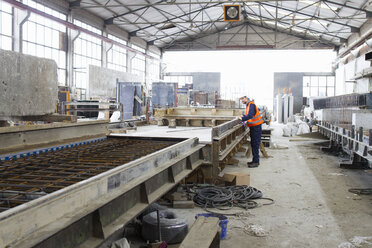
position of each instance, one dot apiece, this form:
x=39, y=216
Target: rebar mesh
x=28, y=178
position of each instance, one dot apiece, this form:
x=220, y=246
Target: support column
x=148, y=63
x=130, y=57
x=106, y=47
x=72, y=35
x=20, y=17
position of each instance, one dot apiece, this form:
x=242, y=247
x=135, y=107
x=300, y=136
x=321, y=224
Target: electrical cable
x=361, y=191
x=225, y=198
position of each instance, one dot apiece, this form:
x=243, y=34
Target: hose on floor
x=361, y=191
x=225, y=198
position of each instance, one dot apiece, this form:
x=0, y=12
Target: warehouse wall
x=292, y=80
x=206, y=81
x=351, y=63
x=71, y=34
x=102, y=81
x=28, y=85
x=346, y=73
x=203, y=81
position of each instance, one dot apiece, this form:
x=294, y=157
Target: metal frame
x=227, y=139
x=353, y=142
x=330, y=21
x=89, y=212
x=26, y=137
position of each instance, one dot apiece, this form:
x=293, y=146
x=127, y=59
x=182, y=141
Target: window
x=154, y=68
x=331, y=86
x=139, y=62
x=45, y=38
x=87, y=51
x=322, y=86
x=6, y=30
x=117, y=56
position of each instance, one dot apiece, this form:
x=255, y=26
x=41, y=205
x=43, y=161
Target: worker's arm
x=251, y=113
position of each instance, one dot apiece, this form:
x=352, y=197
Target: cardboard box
x=236, y=178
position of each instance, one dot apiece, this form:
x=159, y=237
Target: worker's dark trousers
x=255, y=133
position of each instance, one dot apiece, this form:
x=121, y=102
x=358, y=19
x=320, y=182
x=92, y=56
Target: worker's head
x=244, y=99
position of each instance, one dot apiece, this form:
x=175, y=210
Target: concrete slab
x=203, y=133
x=28, y=85
x=102, y=81
x=342, y=116
x=362, y=120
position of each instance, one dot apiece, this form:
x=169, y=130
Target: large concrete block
x=102, y=81
x=345, y=116
x=362, y=120
x=28, y=85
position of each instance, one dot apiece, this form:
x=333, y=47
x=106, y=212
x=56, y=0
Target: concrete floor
x=313, y=207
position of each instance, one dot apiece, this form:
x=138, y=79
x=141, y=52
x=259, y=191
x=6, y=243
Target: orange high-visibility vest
x=256, y=119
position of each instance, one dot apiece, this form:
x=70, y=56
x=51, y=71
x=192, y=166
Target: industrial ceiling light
x=167, y=26
x=369, y=42
x=354, y=52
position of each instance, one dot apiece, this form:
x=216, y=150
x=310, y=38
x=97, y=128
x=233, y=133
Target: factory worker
x=254, y=121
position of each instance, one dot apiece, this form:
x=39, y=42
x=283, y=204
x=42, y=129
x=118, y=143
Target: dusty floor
x=313, y=207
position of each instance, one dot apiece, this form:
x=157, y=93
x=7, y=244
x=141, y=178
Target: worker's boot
x=253, y=164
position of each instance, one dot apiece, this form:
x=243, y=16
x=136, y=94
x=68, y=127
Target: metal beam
x=258, y=25
x=346, y=6
x=304, y=28
x=129, y=188
x=74, y=4
x=308, y=15
x=111, y=20
x=171, y=19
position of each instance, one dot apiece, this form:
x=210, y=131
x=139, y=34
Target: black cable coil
x=225, y=198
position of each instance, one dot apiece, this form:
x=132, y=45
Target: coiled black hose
x=225, y=198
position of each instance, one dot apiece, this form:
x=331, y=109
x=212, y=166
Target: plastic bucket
x=223, y=222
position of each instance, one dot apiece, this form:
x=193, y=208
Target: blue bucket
x=223, y=222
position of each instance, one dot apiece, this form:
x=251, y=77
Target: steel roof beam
x=347, y=6
x=192, y=12
x=111, y=20
x=304, y=28
x=308, y=15
x=326, y=42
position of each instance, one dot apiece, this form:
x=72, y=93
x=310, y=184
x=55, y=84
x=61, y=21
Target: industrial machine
x=345, y=120
x=55, y=193
x=71, y=185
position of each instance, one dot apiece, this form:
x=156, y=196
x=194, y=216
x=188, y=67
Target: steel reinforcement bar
x=82, y=196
